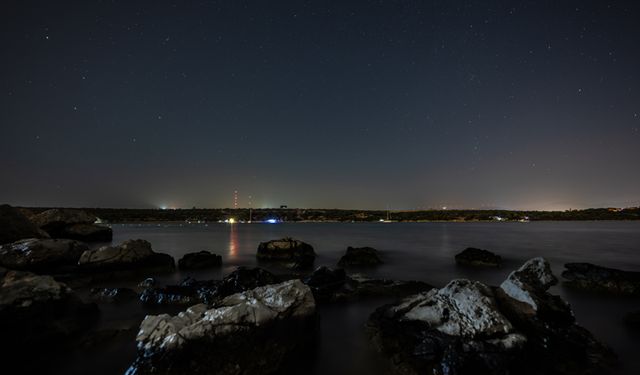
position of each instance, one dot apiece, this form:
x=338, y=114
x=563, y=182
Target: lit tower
x=235, y=199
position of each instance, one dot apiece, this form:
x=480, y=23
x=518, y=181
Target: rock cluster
x=470, y=328
x=16, y=226
x=478, y=257
x=601, y=279
x=41, y=255
x=201, y=259
x=291, y=252
x=72, y=224
x=252, y=332
x=360, y=256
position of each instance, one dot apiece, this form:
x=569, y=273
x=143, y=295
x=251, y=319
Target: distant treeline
x=116, y=215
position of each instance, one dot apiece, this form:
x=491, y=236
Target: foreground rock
x=253, y=332
x=191, y=291
x=470, y=328
x=38, y=315
x=15, y=226
x=478, y=257
x=132, y=255
x=590, y=277
x=201, y=259
x=359, y=257
x=293, y=253
x=72, y=224
x=335, y=286
x=47, y=255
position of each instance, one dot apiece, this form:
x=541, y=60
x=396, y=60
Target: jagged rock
x=15, y=226
x=113, y=294
x=72, y=224
x=201, y=259
x=478, y=257
x=246, y=333
x=470, y=328
x=360, y=256
x=38, y=315
x=601, y=279
x=41, y=255
x=131, y=254
x=191, y=291
x=295, y=253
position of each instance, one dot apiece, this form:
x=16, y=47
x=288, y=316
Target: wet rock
x=294, y=253
x=41, y=255
x=478, y=257
x=632, y=320
x=253, y=332
x=201, y=259
x=147, y=283
x=16, y=226
x=191, y=291
x=470, y=328
x=72, y=224
x=38, y=315
x=360, y=256
x=595, y=278
x=326, y=283
x=116, y=295
x=131, y=254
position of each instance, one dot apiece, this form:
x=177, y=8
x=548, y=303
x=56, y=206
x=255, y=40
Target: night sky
x=348, y=104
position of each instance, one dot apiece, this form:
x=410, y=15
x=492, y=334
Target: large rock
x=360, y=256
x=253, y=332
x=470, y=328
x=191, y=291
x=201, y=259
x=295, y=253
x=601, y=279
x=15, y=226
x=38, y=315
x=478, y=257
x=47, y=255
x=131, y=254
x=72, y=224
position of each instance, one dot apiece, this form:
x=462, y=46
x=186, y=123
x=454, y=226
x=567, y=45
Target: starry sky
x=348, y=104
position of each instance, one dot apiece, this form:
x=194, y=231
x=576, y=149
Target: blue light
x=272, y=221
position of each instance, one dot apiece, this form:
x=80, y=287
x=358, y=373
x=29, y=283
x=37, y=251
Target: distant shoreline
x=210, y=215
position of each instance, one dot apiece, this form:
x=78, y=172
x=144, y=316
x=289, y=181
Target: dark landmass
x=120, y=215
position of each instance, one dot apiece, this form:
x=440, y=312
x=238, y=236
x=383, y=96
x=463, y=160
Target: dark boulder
x=38, y=315
x=325, y=283
x=134, y=255
x=360, y=256
x=470, y=328
x=41, y=255
x=72, y=224
x=294, y=253
x=254, y=332
x=478, y=257
x=591, y=277
x=16, y=226
x=201, y=259
x=116, y=295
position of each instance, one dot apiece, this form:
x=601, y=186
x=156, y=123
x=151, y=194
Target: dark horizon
x=392, y=104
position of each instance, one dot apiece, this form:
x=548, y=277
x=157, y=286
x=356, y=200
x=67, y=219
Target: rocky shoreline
x=253, y=321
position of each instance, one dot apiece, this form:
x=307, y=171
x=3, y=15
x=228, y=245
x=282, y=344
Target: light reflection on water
x=420, y=251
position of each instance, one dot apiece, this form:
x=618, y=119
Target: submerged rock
x=41, y=255
x=116, y=295
x=38, y=315
x=253, y=332
x=191, y=291
x=478, y=257
x=72, y=224
x=295, y=253
x=131, y=254
x=16, y=226
x=201, y=259
x=360, y=256
x=591, y=277
x=470, y=328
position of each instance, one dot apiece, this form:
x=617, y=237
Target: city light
x=271, y=221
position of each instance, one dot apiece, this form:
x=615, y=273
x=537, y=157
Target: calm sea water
x=418, y=251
